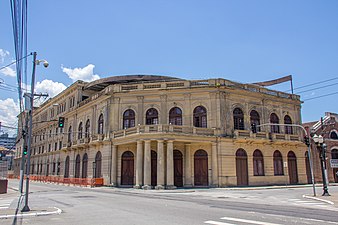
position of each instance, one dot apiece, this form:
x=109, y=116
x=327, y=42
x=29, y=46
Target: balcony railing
x=145, y=129
x=266, y=135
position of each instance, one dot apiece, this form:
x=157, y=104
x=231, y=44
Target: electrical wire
x=329, y=85
x=321, y=96
x=312, y=84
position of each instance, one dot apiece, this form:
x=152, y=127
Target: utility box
x=3, y=186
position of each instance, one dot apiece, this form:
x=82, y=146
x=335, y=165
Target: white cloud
x=50, y=87
x=3, y=55
x=4, y=58
x=86, y=73
x=8, y=71
x=9, y=109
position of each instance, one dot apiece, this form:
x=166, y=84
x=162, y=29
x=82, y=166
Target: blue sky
x=245, y=41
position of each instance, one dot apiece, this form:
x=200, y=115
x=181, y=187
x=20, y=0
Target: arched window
x=128, y=119
x=80, y=131
x=258, y=163
x=334, y=135
x=100, y=125
x=274, y=119
x=278, y=163
x=334, y=154
x=84, y=165
x=151, y=116
x=200, y=117
x=288, y=129
x=254, y=119
x=175, y=116
x=238, y=119
x=87, y=129
x=70, y=134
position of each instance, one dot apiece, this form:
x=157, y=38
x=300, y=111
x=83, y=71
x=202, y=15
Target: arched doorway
x=292, y=167
x=201, y=168
x=242, y=168
x=308, y=170
x=77, y=166
x=153, y=168
x=127, y=168
x=98, y=164
x=66, y=175
x=84, y=165
x=178, y=168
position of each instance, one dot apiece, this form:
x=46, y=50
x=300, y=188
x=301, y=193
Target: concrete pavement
x=17, y=200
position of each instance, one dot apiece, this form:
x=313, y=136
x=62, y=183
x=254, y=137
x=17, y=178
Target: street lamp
x=29, y=106
x=319, y=140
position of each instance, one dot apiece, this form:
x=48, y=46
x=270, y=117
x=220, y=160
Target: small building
x=148, y=131
x=327, y=127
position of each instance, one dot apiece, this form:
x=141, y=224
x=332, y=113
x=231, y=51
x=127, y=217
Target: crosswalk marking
x=248, y=221
x=217, y=223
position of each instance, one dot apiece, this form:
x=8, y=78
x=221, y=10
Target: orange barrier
x=93, y=182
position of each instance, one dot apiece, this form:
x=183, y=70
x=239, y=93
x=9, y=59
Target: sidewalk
x=17, y=203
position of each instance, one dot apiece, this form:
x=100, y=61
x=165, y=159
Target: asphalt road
x=84, y=206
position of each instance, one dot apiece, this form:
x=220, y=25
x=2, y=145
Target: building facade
x=327, y=127
x=146, y=131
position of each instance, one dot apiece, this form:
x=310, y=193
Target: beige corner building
x=160, y=132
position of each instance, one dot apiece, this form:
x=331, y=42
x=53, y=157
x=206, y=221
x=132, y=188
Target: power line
x=321, y=96
x=312, y=84
x=329, y=85
x=15, y=61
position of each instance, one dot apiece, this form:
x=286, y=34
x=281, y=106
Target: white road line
x=248, y=221
x=218, y=223
x=4, y=207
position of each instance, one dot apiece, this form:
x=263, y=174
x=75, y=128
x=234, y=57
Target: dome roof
x=100, y=84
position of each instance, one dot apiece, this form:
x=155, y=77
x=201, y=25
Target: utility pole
x=22, y=166
x=30, y=107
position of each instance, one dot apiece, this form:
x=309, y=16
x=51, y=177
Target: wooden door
x=127, y=170
x=292, y=164
x=201, y=168
x=153, y=168
x=242, y=168
x=178, y=168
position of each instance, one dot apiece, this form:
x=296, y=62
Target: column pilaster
x=170, y=165
x=139, y=165
x=187, y=166
x=114, y=166
x=160, y=165
x=147, y=165
x=214, y=165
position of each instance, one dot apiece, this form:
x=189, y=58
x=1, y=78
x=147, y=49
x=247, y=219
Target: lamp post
x=319, y=140
x=29, y=106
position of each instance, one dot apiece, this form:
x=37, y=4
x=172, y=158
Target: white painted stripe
x=217, y=223
x=4, y=207
x=58, y=211
x=248, y=221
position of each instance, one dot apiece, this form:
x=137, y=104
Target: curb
x=58, y=211
x=318, y=199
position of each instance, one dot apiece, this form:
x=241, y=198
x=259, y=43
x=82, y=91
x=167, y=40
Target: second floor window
x=151, y=116
x=254, y=119
x=128, y=119
x=100, y=125
x=70, y=134
x=87, y=129
x=175, y=116
x=200, y=117
x=80, y=131
x=288, y=129
x=274, y=119
x=238, y=119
